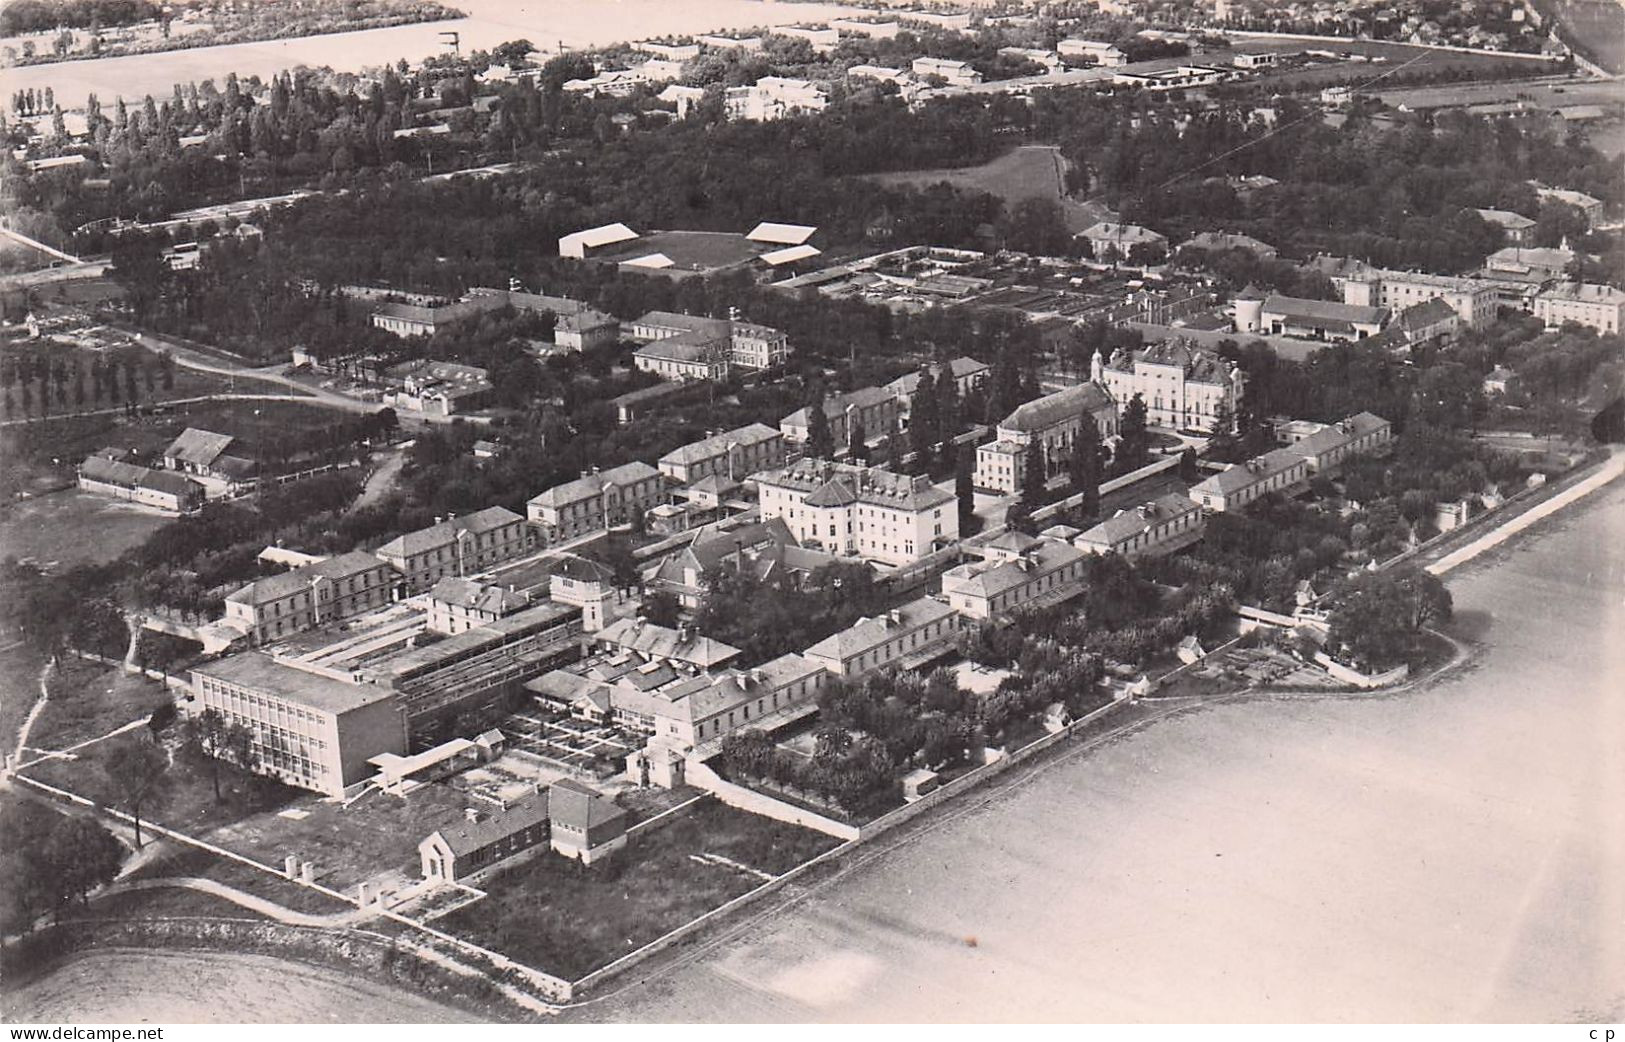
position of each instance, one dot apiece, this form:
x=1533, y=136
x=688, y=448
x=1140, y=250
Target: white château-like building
x=860, y=511
x=1183, y=386
x=1052, y=421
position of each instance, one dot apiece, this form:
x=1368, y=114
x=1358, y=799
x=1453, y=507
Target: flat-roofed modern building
x=907, y=637
x=1018, y=570
x=312, y=729
x=458, y=546
x=596, y=501
x=310, y=595
x=1160, y=526
x=1279, y=470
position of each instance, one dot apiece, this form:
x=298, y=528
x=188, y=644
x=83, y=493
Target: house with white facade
x=858, y=511
x=1184, y=386
x=1053, y=422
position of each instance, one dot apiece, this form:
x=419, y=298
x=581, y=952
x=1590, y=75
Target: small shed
x=919, y=783
x=1190, y=650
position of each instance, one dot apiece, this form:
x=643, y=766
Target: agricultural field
x=1026, y=172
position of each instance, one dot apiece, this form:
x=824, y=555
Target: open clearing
x=71, y=527
x=1030, y=171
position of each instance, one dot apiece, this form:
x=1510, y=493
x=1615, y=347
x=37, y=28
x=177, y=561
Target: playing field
x=1024, y=173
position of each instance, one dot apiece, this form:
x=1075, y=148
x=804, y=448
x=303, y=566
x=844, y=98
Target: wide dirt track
x=1455, y=853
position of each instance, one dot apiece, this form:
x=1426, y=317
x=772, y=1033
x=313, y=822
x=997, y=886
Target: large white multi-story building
x=1184, y=387
x=1053, y=422
x=1600, y=307
x=774, y=97
x=860, y=511
x=1474, y=300
x=309, y=596
x=680, y=346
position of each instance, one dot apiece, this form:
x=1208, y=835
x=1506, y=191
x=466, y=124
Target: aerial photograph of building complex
x=727, y=512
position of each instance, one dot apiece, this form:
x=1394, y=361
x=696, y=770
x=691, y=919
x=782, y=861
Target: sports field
x=1024, y=173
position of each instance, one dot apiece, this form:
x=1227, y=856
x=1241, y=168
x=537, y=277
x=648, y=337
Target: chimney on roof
x=471, y=815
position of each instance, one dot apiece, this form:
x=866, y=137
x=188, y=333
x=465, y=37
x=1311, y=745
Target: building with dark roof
x=154, y=488
x=1159, y=526
x=682, y=644
x=485, y=843
x=458, y=546
x=906, y=637
x=310, y=595
x=766, y=549
x=585, y=824
x=856, y=511
x=1053, y=423
x=1040, y=571
x=204, y=454
x=596, y=501
x=1356, y=435
x=1518, y=229
x=312, y=728
x=678, y=346
x=1184, y=386
x=1279, y=470
x=736, y=454
x=878, y=410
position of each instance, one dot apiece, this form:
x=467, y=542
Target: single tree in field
x=138, y=771
x=84, y=854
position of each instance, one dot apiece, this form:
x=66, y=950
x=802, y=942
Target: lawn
x=89, y=699
x=19, y=688
x=568, y=920
x=180, y=861
x=1023, y=173
x=71, y=527
x=377, y=833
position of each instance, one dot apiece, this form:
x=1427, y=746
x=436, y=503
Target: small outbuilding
x=919, y=783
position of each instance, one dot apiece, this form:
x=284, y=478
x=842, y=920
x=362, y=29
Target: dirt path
x=382, y=478
x=243, y=899
x=33, y=714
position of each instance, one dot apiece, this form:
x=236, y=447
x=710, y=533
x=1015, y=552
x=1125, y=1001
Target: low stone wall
x=701, y=776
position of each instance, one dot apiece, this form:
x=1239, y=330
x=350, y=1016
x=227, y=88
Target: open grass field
x=18, y=256
x=568, y=920
x=71, y=527
x=89, y=700
x=375, y=834
x=1023, y=173
x=19, y=687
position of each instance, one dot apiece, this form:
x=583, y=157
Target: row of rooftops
x=446, y=532
x=1278, y=461
x=751, y=434
x=285, y=584
x=128, y=475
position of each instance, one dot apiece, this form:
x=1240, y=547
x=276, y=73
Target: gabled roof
x=1428, y=313
x=719, y=444
x=477, y=596
x=574, y=806
x=788, y=234
x=989, y=579
x=1334, y=435
x=603, y=235
x=662, y=642
x=198, y=447
x=580, y=569
x=112, y=472
x=479, y=522
x=1276, y=461
x=1126, y=524
x=1331, y=312
x=833, y=494
x=961, y=367
x=866, y=633
x=466, y=837
x=1055, y=408
x=790, y=254
x=591, y=485
x=1127, y=234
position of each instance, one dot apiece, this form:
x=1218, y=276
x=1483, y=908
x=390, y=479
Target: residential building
x=682, y=358
x=1050, y=60
x=955, y=73
x=1098, y=51
x=772, y=98
x=457, y=605
x=1018, y=570
x=685, y=99
x=596, y=501
x=1316, y=319
x=1111, y=241
x=766, y=548
x=1159, y=526
x=680, y=645
x=204, y=454
x=905, y=638
x=725, y=41
x=1473, y=300
x=1053, y=422
x=1542, y=262
x=1326, y=449
x=958, y=21
x=1184, y=386
x=822, y=37
x=438, y=388
x=457, y=546
x=166, y=491
x=576, y=326
x=735, y=454
x=968, y=375
x=485, y=843
x=857, y=511
x=1590, y=207
x=874, y=29
x=1279, y=470
x=310, y=595
x=1218, y=242
x=1501, y=380
x=876, y=409
x=1518, y=229
x=879, y=73
x=310, y=729
x=586, y=825
x=1592, y=305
